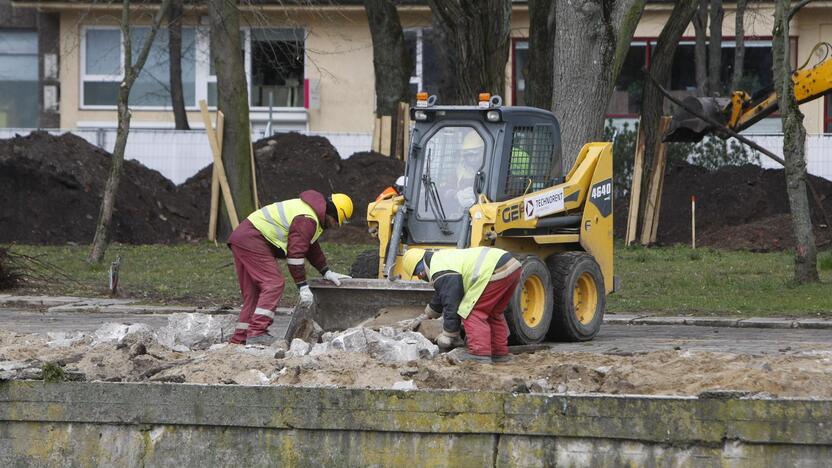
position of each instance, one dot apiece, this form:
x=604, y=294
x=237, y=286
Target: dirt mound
x=737, y=207
x=50, y=192
x=290, y=163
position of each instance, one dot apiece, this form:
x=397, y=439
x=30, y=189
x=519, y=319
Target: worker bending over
x=473, y=286
x=290, y=230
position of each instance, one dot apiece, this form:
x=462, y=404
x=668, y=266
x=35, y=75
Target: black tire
x=365, y=265
x=566, y=270
x=533, y=329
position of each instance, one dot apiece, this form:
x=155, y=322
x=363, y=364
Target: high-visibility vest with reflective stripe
x=273, y=220
x=475, y=265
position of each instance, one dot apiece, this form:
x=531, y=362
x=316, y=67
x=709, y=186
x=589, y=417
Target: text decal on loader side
x=601, y=197
x=541, y=205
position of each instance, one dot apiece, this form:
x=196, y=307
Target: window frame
x=202, y=67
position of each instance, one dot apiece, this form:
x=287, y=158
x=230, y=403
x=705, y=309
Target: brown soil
x=737, y=207
x=50, y=192
x=290, y=163
x=802, y=374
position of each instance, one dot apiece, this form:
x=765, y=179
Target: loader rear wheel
x=530, y=309
x=578, y=286
x=365, y=265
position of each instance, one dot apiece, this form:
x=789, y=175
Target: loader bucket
x=357, y=301
x=686, y=127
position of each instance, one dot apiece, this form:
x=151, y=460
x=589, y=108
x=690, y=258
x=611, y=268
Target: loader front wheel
x=365, y=265
x=578, y=286
x=530, y=309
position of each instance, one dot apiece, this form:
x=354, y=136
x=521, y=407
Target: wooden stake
x=216, y=150
x=693, y=221
x=650, y=221
x=215, y=184
x=635, y=188
x=377, y=135
x=254, y=176
x=386, y=124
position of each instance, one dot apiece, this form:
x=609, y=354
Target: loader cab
x=460, y=153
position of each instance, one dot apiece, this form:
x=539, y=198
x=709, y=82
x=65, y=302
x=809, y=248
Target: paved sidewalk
x=58, y=304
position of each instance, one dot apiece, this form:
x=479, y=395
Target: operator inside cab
x=473, y=148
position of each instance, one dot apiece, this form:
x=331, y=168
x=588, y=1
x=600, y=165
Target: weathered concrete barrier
x=118, y=424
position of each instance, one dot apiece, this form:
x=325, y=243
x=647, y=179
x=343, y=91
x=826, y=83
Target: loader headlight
x=493, y=116
x=420, y=115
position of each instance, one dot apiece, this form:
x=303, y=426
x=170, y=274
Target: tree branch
x=148, y=42
x=797, y=6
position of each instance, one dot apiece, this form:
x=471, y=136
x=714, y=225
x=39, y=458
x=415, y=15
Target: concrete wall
x=96, y=424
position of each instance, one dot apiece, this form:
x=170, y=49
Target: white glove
x=430, y=313
x=335, y=278
x=305, y=296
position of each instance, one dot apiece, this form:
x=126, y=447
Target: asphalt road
x=613, y=338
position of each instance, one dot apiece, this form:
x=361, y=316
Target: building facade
x=310, y=67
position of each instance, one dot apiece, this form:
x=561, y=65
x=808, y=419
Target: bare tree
x=391, y=62
x=540, y=69
x=715, y=48
x=477, y=32
x=739, y=45
x=700, y=26
x=131, y=72
x=794, y=151
x=177, y=97
x=591, y=42
x=232, y=101
x=652, y=104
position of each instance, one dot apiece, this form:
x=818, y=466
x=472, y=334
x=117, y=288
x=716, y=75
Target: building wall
x=339, y=57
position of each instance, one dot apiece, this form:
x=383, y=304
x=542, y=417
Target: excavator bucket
x=688, y=128
x=359, y=301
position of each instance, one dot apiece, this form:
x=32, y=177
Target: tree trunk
x=539, y=79
x=177, y=97
x=652, y=103
x=391, y=62
x=715, y=49
x=700, y=26
x=232, y=99
x=478, y=33
x=131, y=72
x=739, y=45
x=591, y=42
x=794, y=139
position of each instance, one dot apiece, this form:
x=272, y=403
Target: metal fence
x=818, y=153
x=179, y=154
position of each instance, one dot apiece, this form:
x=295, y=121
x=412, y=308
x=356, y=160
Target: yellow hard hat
x=411, y=259
x=472, y=141
x=343, y=205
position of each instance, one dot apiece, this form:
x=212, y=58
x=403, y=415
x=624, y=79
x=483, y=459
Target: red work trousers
x=486, y=329
x=261, y=284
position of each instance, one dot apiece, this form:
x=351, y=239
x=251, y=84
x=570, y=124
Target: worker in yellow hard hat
x=472, y=286
x=471, y=157
x=290, y=230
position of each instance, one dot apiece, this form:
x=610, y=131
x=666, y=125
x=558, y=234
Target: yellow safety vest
x=273, y=220
x=475, y=265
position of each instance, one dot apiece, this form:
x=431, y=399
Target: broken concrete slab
x=319, y=349
x=405, y=385
x=64, y=339
x=648, y=320
x=196, y=331
x=353, y=340
x=403, y=347
x=298, y=348
x=767, y=322
x=38, y=301
x=251, y=377
x=430, y=328
x=814, y=323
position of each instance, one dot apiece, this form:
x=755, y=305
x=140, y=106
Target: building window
x=521, y=60
x=103, y=68
x=276, y=67
x=426, y=72
x=18, y=78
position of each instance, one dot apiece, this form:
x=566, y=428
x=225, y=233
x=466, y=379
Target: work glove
x=449, y=340
x=305, y=296
x=335, y=278
x=430, y=313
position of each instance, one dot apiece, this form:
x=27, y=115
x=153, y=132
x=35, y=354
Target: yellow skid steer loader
x=490, y=175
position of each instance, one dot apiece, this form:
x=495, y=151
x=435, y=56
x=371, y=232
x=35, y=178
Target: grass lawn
x=670, y=280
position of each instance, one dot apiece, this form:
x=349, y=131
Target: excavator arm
x=742, y=110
